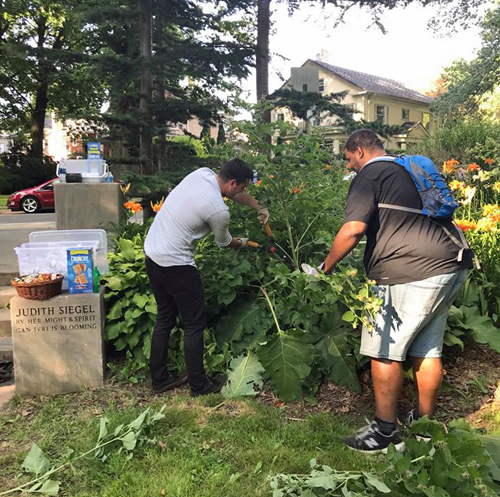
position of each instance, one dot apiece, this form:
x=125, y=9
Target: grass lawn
x=202, y=450
x=3, y=202
x=205, y=449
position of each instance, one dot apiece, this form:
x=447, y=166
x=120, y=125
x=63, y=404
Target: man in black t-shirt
x=418, y=270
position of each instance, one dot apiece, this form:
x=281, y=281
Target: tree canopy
x=466, y=85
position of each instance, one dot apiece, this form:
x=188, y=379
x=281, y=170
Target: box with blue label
x=80, y=270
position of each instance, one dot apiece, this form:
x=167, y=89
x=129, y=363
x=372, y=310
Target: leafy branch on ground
x=124, y=438
x=457, y=461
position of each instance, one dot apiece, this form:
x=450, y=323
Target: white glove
x=263, y=215
x=309, y=269
x=243, y=241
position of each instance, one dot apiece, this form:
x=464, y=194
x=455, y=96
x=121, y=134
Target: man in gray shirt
x=193, y=209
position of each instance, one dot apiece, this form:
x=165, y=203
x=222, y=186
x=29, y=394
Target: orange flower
x=132, y=206
x=489, y=161
x=296, y=190
x=449, y=166
x=271, y=175
x=158, y=205
x=328, y=167
x=466, y=225
x=473, y=167
x=258, y=183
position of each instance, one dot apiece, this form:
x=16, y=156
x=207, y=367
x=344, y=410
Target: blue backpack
x=437, y=199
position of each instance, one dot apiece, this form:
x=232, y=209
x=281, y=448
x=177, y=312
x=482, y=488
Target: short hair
x=236, y=169
x=364, y=138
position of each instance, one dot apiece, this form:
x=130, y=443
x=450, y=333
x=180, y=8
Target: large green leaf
x=242, y=318
x=245, y=373
x=492, y=446
x=127, y=249
x=482, y=327
x=47, y=487
x=35, y=461
x=342, y=366
x=286, y=360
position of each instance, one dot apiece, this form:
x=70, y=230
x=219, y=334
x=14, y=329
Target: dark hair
x=236, y=169
x=364, y=138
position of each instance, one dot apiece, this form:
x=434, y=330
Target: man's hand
x=243, y=242
x=263, y=215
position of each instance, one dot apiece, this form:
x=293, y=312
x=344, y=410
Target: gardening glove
x=310, y=270
x=243, y=241
x=263, y=215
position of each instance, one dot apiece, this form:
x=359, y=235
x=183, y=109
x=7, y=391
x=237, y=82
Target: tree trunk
x=262, y=57
x=35, y=162
x=146, y=138
x=38, y=124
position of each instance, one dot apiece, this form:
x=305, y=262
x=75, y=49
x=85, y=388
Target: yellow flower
x=491, y=209
x=457, y=185
x=496, y=186
x=487, y=224
x=125, y=189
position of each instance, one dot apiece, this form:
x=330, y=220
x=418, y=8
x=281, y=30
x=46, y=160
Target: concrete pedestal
x=58, y=343
x=88, y=205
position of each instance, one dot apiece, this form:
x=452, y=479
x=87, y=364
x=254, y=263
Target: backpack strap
x=400, y=208
x=461, y=243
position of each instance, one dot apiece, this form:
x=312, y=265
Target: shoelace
x=366, y=430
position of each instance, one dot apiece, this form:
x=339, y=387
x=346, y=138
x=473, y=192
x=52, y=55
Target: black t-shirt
x=401, y=246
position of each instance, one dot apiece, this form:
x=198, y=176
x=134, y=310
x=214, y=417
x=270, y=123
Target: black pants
x=178, y=289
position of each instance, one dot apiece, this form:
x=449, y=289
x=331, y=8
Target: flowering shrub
x=477, y=188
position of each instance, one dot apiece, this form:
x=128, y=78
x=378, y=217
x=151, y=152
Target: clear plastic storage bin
x=92, y=170
x=83, y=237
x=50, y=257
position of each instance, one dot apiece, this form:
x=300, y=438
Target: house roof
x=375, y=84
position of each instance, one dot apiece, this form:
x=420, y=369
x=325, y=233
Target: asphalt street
x=15, y=229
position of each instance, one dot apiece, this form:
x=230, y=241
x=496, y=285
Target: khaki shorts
x=412, y=318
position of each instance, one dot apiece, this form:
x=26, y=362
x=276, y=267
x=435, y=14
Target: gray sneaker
x=406, y=420
x=371, y=440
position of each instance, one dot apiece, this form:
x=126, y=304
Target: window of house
x=280, y=117
x=381, y=113
x=321, y=86
x=304, y=87
x=406, y=115
x=426, y=119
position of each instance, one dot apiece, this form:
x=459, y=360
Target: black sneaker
x=212, y=387
x=372, y=441
x=174, y=380
x=407, y=419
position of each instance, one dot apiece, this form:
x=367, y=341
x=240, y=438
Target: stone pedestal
x=58, y=343
x=88, y=206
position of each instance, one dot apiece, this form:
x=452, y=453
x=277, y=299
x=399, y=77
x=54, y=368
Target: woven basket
x=39, y=291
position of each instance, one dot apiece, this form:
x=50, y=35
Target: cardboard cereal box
x=80, y=270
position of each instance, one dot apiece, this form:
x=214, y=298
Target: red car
x=33, y=199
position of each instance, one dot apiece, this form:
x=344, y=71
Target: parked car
x=33, y=199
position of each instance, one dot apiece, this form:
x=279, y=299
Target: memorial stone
x=58, y=343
